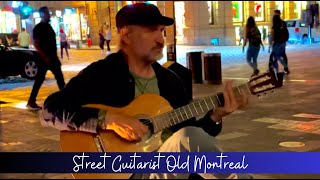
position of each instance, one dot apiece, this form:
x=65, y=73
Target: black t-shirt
x=47, y=38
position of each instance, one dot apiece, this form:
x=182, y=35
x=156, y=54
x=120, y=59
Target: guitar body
x=144, y=106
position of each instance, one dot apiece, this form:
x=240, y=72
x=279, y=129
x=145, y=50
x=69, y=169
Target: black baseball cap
x=141, y=14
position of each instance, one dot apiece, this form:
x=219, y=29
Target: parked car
x=298, y=32
x=16, y=61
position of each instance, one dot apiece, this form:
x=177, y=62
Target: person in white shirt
x=108, y=39
x=24, y=38
x=63, y=43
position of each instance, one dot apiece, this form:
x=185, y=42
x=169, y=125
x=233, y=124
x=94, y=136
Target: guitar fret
x=163, y=123
x=174, y=120
x=180, y=113
x=168, y=124
x=200, y=106
x=155, y=126
x=206, y=105
x=218, y=99
x=177, y=116
x=195, y=108
x=185, y=112
x=190, y=111
x=214, y=106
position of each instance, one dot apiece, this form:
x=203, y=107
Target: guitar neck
x=193, y=109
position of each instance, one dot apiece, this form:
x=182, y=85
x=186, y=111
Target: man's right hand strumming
x=127, y=127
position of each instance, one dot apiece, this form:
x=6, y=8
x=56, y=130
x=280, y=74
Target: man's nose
x=160, y=38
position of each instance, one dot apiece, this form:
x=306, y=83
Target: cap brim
x=167, y=21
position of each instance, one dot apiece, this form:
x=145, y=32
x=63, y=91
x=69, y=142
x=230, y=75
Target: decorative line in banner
x=156, y=162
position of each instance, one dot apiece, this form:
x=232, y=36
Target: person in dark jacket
x=121, y=77
x=44, y=39
x=284, y=55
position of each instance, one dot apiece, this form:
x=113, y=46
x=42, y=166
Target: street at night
x=290, y=114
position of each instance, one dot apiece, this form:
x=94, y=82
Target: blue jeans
x=252, y=56
x=190, y=139
x=278, y=51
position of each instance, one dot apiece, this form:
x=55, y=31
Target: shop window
x=259, y=10
x=298, y=7
x=237, y=11
x=8, y=22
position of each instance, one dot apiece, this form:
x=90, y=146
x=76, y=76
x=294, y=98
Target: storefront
x=238, y=20
x=75, y=24
x=8, y=22
x=298, y=7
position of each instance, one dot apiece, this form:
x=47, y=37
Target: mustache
x=159, y=46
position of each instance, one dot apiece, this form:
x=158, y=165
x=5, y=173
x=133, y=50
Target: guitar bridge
x=99, y=144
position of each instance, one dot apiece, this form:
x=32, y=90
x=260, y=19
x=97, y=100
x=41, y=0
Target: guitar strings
x=169, y=116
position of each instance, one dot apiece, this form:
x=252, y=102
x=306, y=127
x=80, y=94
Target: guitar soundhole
x=148, y=123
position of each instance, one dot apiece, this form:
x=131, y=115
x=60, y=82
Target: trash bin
x=194, y=63
x=212, y=68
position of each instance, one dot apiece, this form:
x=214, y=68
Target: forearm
x=41, y=52
x=64, y=114
x=49, y=119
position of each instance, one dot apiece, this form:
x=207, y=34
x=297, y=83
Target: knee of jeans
x=196, y=139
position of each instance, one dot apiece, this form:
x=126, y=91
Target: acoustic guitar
x=155, y=112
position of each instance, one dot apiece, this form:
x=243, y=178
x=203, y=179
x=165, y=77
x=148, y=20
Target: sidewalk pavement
x=289, y=116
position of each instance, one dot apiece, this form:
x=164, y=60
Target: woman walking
x=253, y=35
x=63, y=43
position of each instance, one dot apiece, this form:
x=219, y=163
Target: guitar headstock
x=264, y=83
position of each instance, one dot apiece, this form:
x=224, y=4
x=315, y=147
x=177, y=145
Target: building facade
x=197, y=22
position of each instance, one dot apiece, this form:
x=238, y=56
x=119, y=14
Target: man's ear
x=124, y=35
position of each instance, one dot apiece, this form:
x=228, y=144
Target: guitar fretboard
x=193, y=109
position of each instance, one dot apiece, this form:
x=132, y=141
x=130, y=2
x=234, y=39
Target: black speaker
x=184, y=73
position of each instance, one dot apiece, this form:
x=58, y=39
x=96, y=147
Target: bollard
x=211, y=66
x=194, y=63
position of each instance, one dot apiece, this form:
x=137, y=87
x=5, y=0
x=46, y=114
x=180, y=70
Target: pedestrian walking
x=253, y=35
x=285, y=37
x=44, y=39
x=108, y=39
x=279, y=36
x=63, y=43
x=101, y=40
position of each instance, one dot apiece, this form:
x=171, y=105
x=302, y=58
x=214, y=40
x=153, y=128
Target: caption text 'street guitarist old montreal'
x=199, y=163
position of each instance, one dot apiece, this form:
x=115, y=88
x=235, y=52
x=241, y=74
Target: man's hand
x=127, y=127
x=231, y=103
x=47, y=60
